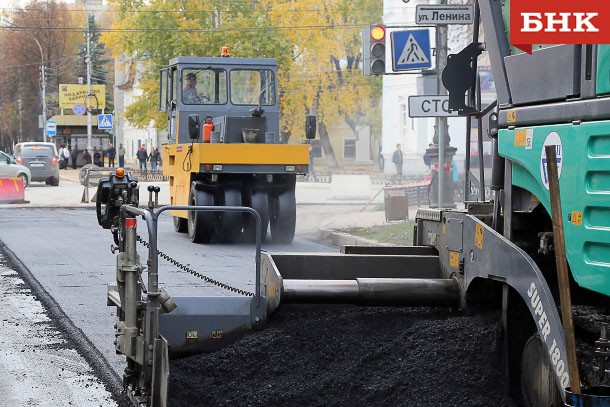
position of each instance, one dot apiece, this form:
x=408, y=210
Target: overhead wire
x=206, y=10
x=191, y=30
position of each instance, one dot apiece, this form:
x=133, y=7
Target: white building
x=127, y=90
x=414, y=134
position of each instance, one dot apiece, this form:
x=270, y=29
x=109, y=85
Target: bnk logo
x=559, y=22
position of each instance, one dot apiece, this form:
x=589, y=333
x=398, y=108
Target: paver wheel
x=538, y=385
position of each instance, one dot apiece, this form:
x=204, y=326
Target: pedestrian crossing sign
x=411, y=50
x=104, y=121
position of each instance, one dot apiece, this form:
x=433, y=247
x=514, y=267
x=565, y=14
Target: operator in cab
x=190, y=94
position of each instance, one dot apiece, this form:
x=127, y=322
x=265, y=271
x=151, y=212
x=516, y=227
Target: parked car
x=42, y=160
x=9, y=168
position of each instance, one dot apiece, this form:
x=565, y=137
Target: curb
x=339, y=239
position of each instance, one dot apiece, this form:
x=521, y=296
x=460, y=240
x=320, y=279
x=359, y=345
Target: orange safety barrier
x=12, y=190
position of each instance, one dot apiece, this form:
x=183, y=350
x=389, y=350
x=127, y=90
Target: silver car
x=42, y=160
x=10, y=169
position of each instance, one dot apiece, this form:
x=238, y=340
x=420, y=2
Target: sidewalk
x=349, y=201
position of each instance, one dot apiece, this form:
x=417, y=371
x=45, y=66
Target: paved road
x=57, y=239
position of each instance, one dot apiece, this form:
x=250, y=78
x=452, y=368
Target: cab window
x=204, y=86
x=252, y=86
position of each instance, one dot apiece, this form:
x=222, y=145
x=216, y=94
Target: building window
x=349, y=149
x=404, y=116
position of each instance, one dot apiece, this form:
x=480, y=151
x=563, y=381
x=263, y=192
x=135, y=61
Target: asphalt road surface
x=40, y=365
x=67, y=255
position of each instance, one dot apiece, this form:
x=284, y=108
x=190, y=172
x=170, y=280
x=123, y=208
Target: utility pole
x=88, y=61
x=441, y=135
x=441, y=122
x=43, y=96
x=20, y=107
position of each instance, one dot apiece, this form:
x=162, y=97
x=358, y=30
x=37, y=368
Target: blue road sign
x=104, y=121
x=411, y=50
x=79, y=109
x=51, y=128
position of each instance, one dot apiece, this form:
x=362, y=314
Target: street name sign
x=444, y=14
x=430, y=106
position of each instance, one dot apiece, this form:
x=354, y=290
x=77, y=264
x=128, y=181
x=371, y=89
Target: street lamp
x=5, y=22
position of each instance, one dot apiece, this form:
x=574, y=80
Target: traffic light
x=373, y=50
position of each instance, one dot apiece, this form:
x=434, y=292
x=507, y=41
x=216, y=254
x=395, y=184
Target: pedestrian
x=121, y=155
x=311, y=170
x=60, y=156
x=155, y=160
x=397, y=159
x=111, y=155
x=86, y=157
x=74, y=155
x=142, y=156
x=427, y=159
x=66, y=153
x=97, y=159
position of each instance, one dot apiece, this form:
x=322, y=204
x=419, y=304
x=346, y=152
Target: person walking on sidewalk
x=74, y=155
x=86, y=157
x=397, y=159
x=142, y=156
x=121, y=155
x=111, y=155
x=66, y=153
x=60, y=157
x=155, y=160
x=97, y=159
x=311, y=169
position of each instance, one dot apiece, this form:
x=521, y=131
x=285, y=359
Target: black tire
x=283, y=217
x=260, y=203
x=200, y=224
x=55, y=182
x=25, y=180
x=538, y=386
x=231, y=223
x=180, y=225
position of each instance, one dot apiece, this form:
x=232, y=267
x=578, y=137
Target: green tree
x=166, y=29
x=327, y=55
x=35, y=24
x=317, y=45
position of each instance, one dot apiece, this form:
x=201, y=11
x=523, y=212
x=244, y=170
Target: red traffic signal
x=377, y=32
x=377, y=50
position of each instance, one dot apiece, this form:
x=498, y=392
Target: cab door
x=167, y=100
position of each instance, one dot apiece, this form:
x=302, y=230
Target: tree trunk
x=329, y=153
